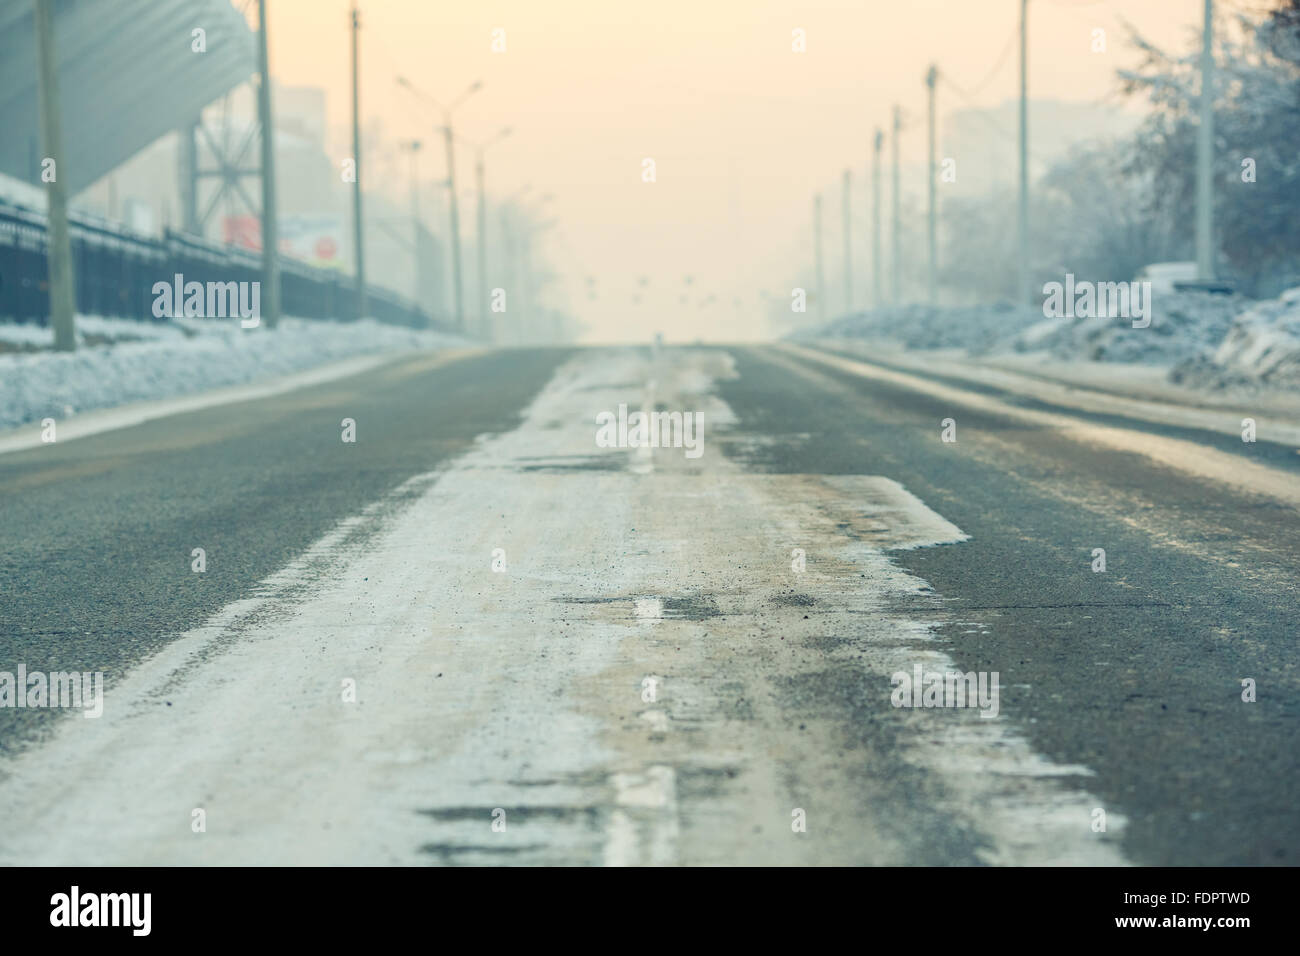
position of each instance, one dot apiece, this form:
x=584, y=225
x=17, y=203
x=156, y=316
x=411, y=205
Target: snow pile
x=1261, y=348
x=176, y=358
x=1205, y=340
x=976, y=328
x=91, y=330
x=1183, y=325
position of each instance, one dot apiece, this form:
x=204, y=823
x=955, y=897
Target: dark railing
x=116, y=270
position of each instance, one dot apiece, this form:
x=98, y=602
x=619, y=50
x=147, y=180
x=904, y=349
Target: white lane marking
x=657, y=719
x=649, y=610
x=1190, y=457
x=643, y=829
x=874, y=509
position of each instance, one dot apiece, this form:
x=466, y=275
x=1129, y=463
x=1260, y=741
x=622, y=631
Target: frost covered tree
x=1257, y=119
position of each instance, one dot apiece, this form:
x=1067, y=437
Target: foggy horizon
x=743, y=130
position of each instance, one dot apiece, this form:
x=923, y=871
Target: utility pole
x=59, y=244
x=416, y=260
x=270, y=298
x=455, y=224
x=453, y=206
x=1205, y=154
x=530, y=228
x=358, y=231
x=485, y=316
x=932, y=226
x=896, y=260
x=877, y=276
x=848, y=246
x=526, y=286
x=485, y=323
x=1024, y=290
x=508, y=254
x=817, y=257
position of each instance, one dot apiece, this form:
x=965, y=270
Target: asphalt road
x=96, y=534
x=645, y=678
x=1136, y=672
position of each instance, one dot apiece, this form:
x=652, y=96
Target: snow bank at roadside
x=176, y=358
x=1203, y=340
x=1261, y=348
x=1183, y=324
x=921, y=327
x=91, y=330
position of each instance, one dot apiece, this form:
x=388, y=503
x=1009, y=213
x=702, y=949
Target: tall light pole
x=528, y=232
x=508, y=258
x=453, y=208
x=458, y=279
x=817, y=257
x=59, y=254
x=484, y=316
x=508, y=249
x=270, y=293
x=848, y=246
x=413, y=147
x=358, y=233
x=452, y=201
x=1024, y=290
x=932, y=226
x=896, y=252
x=877, y=276
x=1205, y=154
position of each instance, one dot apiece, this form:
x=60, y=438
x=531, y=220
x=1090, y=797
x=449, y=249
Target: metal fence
x=116, y=271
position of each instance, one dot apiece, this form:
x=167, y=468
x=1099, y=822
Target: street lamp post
x=529, y=231
x=508, y=249
x=453, y=206
x=414, y=146
x=484, y=317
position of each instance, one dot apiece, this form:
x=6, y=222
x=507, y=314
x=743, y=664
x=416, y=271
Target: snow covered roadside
x=1198, y=344
x=1183, y=325
x=1139, y=392
x=916, y=326
x=1260, y=349
x=91, y=330
x=174, y=359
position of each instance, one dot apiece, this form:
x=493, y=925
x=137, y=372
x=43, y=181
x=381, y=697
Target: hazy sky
x=743, y=131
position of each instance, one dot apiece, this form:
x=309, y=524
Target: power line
x=980, y=111
x=1001, y=61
